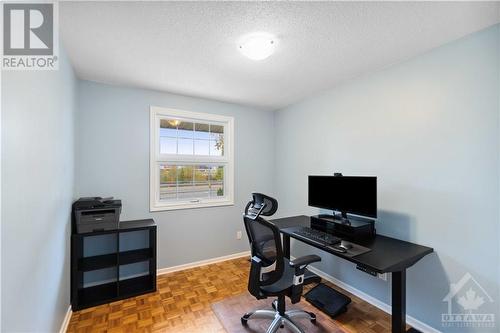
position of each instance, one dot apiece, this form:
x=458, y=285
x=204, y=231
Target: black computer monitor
x=345, y=194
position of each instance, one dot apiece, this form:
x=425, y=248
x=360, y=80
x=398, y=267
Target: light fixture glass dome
x=258, y=45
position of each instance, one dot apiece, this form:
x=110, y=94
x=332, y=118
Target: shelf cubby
x=86, y=264
x=133, y=256
x=103, y=263
x=98, y=294
x=136, y=285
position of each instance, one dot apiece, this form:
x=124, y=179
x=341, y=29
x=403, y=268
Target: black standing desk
x=387, y=255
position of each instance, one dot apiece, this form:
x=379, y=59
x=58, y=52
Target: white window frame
x=158, y=113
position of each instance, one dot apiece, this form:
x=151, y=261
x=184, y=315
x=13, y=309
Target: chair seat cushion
x=286, y=281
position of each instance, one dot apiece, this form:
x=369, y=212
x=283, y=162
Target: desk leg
x=286, y=246
x=399, y=301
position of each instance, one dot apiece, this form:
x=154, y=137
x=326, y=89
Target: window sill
x=160, y=207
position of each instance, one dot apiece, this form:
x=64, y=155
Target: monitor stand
x=339, y=225
x=337, y=217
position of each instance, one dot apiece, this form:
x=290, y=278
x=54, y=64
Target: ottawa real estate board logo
x=30, y=36
x=469, y=305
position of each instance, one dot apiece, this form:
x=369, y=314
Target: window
x=191, y=160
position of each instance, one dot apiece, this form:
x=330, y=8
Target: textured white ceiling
x=190, y=47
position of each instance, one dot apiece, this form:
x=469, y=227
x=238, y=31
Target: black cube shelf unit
x=103, y=264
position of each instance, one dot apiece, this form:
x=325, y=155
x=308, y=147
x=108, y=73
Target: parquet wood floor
x=182, y=301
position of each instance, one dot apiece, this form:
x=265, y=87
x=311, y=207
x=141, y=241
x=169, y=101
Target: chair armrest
x=254, y=277
x=304, y=261
x=299, y=265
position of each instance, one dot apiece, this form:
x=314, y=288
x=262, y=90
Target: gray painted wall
x=113, y=160
x=429, y=129
x=38, y=111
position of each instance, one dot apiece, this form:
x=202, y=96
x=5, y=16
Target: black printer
x=96, y=214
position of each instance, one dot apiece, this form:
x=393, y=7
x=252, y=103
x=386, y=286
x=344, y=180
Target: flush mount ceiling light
x=257, y=46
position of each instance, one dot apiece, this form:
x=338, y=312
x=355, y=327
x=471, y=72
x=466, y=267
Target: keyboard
x=317, y=236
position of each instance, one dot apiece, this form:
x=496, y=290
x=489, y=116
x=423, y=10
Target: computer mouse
x=345, y=245
x=337, y=248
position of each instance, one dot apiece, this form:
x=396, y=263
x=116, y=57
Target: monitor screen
x=346, y=194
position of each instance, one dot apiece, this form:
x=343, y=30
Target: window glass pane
x=168, y=182
x=201, y=181
x=185, y=130
x=185, y=191
x=188, y=138
x=216, y=140
x=168, y=145
x=184, y=173
x=216, y=129
x=201, y=147
x=190, y=182
x=217, y=145
x=185, y=146
x=168, y=127
x=202, y=131
x=168, y=132
x=202, y=173
x=184, y=181
x=217, y=181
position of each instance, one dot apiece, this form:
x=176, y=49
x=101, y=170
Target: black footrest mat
x=328, y=300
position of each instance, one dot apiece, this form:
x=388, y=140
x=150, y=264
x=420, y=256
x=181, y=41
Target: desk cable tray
x=328, y=300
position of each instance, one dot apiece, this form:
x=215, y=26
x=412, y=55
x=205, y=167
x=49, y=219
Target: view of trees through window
x=191, y=181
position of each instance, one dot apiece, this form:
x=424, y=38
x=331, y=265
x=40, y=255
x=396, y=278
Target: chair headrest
x=261, y=205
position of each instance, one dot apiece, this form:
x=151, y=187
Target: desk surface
x=387, y=254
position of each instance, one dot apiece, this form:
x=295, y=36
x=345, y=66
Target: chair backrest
x=265, y=241
x=261, y=204
x=267, y=253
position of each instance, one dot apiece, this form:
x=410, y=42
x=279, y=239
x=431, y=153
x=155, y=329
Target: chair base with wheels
x=280, y=318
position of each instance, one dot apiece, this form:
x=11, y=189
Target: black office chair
x=271, y=274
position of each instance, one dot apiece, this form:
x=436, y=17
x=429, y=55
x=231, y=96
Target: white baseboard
x=202, y=263
x=415, y=323
x=65, y=323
